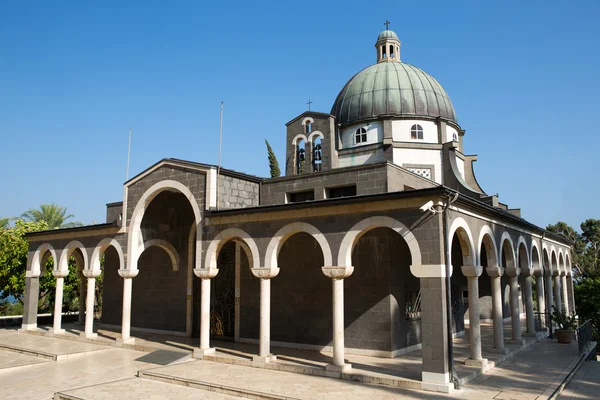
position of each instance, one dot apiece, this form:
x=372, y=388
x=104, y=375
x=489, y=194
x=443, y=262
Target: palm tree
x=54, y=215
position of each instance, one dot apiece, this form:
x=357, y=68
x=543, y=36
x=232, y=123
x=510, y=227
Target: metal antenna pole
x=220, y=147
x=128, y=155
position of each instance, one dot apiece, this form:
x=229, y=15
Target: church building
x=379, y=240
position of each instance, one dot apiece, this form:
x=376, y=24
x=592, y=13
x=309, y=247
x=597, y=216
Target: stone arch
x=568, y=264
x=465, y=238
x=546, y=258
x=553, y=259
x=167, y=247
x=507, y=245
x=535, y=258
x=307, y=119
x=38, y=256
x=249, y=246
x=367, y=224
x=311, y=138
x=488, y=240
x=523, y=257
x=561, y=261
x=63, y=263
x=284, y=233
x=298, y=137
x=135, y=246
x=100, y=248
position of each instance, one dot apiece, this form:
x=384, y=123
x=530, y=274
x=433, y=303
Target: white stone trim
x=504, y=224
x=315, y=133
x=486, y=230
x=367, y=224
x=429, y=270
x=35, y=269
x=167, y=247
x=134, y=238
x=297, y=137
x=211, y=188
x=100, y=248
x=290, y=229
x=434, y=377
x=459, y=222
x=312, y=121
x=63, y=263
x=223, y=237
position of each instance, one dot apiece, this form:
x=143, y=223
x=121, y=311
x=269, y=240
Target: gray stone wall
x=398, y=179
x=237, y=193
x=159, y=293
x=114, y=211
x=112, y=289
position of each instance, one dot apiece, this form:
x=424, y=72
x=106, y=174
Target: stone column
x=58, y=302
x=571, y=294
x=495, y=274
x=127, y=275
x=549, y=292
x=434, y=324
x=32, y=288
x=557, y=291
x=565, y=293
x=539, y=286
x=82, y=296
x=473, y=273
x=515, y=316
x=91, y=276
x=337, y=275
x=528, y=293
x=205, y=274
x=265, y=275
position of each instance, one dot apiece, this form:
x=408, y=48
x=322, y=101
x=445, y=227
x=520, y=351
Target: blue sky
x=75, y=76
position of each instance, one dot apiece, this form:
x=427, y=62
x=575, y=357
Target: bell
x=301, y=156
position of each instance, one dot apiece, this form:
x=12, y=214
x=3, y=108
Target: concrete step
x=211, y=387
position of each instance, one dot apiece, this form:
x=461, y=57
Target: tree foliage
x=4, y=223
x=273, y=163
x=54, y=215
x=587, y=299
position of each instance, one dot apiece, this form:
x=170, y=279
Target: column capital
x=555, y=273
x=206, y=273
x=563, y=273
x=429, y=270
x=265, y=272
x=337, y=272
x=538, y=272
x=494, y=272
x=513, y=272
x=472, y=271
x=91, y=273
x=128, y=273
x=60, y=273
x=32, y=274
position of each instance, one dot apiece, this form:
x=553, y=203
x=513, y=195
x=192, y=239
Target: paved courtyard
x=101, y=372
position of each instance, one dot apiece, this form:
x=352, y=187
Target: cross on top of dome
x=388, y=45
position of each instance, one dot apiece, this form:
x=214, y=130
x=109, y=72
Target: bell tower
x=388, y=45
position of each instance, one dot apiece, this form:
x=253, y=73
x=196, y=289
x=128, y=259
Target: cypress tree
x=273, y=163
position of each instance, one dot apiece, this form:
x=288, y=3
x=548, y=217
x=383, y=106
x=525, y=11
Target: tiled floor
x=585, y=384
x=9, y=359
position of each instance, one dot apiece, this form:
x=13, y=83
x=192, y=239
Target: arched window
x=416, y=132
x=360, y=136
x=317, y=154
x=308, y=127
x=300, y=157
x=455, y=137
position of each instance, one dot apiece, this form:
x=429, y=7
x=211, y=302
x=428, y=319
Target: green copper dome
x=391, y=89
x=387, y=34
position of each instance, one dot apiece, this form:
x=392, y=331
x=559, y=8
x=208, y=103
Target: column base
x=263, y=359
x=515, y=341
x=88, y=335
x=200, y=353
x=341, y=369
x=54, y=332
x=497, y=351
x=527, y=334
x=27, y=327
x=121, y=342
x=476, y=363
